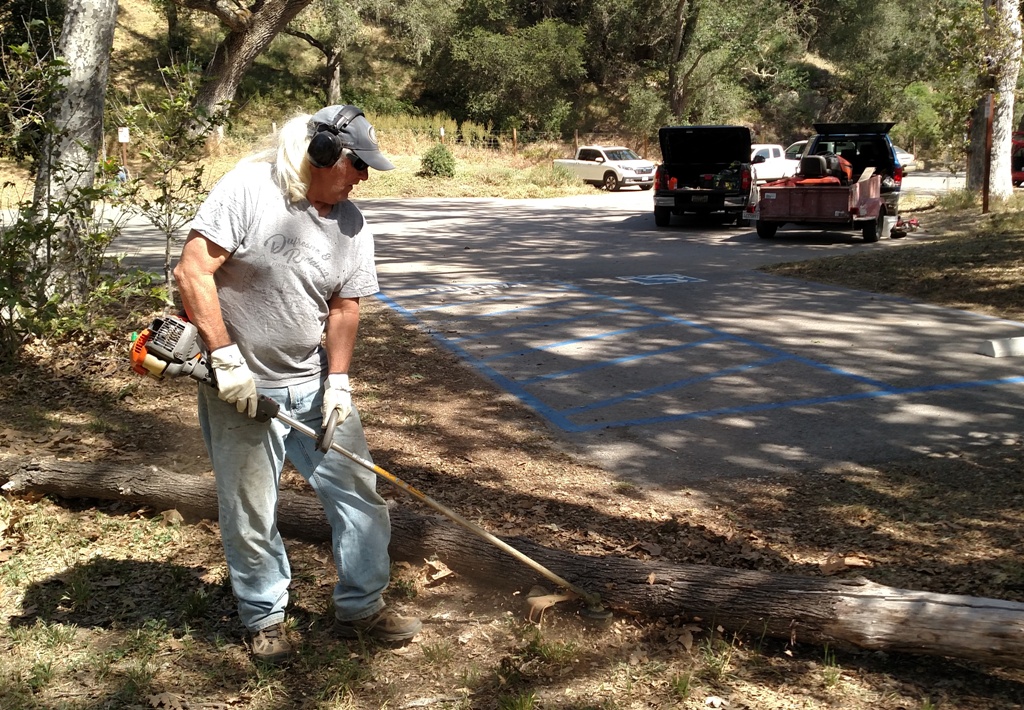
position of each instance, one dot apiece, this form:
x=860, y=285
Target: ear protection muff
x=327, y=143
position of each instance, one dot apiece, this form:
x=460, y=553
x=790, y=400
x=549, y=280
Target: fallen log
x=848, y=613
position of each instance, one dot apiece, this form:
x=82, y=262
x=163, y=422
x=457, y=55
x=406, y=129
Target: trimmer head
x=595, y=614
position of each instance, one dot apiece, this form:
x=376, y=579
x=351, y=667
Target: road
x=669, y=359
x=666, y=357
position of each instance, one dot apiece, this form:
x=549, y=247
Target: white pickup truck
x=768, y=162
x=610, y=167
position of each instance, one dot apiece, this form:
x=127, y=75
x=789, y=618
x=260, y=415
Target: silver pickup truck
x=610, y=167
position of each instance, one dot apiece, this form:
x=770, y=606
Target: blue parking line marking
x=618, y=361
x=472, y=288
x=747, y=341
x=545, y=324
x=669, y=386
x=793, y=403
x=508, y=384
x=562, y=418
x=533, y=307
x=489, y=314
x=563, y=343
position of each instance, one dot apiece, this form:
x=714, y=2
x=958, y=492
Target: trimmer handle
x=326, y=438
x=266, y=408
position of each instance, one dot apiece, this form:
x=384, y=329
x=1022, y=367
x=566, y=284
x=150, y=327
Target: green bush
x=438, y=162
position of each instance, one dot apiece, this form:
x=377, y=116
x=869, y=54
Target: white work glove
x=337, y=396
x=234, y=380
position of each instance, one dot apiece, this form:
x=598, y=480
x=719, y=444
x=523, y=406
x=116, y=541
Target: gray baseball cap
x=354, y=133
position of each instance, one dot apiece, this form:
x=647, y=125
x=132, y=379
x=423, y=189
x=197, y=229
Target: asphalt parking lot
x=669, y=359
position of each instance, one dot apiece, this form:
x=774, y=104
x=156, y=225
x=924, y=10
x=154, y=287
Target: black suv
x=863, y=145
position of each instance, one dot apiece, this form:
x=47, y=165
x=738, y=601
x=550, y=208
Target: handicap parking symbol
x=658, y=279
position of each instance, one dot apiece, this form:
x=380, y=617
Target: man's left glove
x=337, y=396
x=235, y=384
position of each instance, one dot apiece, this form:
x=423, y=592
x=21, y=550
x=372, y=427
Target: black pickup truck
x=704, y=169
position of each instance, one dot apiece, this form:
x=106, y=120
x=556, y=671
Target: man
x=271, y=274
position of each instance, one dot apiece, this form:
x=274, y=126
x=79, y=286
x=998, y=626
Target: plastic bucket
x=888, y=223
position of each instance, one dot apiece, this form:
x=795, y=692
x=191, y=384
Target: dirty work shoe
x=271, y=645
x=385, y=625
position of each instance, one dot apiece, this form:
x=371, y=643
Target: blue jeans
x=248, y=457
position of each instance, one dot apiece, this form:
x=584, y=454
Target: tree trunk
x=332, y=72
x=976, y=157
x=334, y=78
x=177, y=41
x=687, y=15
x=69, y=153
x=1003, y=18
x=239, y=50
x=840, y=612
x=69, y=159
x=1008, y=20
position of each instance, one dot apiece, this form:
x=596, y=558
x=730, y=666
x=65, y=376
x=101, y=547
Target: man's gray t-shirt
x=286, y=263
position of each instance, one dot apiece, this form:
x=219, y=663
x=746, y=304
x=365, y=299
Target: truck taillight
x=745, y=179
x=662, y=180
x=898, y=175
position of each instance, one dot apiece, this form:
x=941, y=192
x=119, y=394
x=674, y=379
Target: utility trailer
x=816, y=200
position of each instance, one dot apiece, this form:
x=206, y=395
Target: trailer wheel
x=767, y=230
x=663, y=216
x=873, y=229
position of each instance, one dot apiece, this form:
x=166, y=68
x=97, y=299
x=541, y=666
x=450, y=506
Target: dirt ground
x=110, y=605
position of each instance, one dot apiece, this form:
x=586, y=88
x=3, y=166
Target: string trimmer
x=171, y=347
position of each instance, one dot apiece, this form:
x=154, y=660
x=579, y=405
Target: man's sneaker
x=271, y=645
x=385, y=625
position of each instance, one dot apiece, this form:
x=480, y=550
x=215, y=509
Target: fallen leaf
x=833, y=565
x=652, y=549
x=437, y=571
x=686, y=639
x=169, y=701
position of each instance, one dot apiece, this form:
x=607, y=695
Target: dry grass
x=479, y=172
x=961, y=259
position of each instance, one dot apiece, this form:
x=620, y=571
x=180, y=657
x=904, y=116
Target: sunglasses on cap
x=357, y=162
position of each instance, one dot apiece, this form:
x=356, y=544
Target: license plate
x=699, y=198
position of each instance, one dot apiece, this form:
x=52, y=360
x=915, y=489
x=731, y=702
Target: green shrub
x=438, y=162
x=957, y=200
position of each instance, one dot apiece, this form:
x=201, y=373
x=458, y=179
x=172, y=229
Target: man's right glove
x=337, y=396
x=235, y=384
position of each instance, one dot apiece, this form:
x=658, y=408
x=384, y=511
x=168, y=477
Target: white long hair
x=291, y=166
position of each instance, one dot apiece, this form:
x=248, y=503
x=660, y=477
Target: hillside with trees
x=557, y=68
x=625, y=66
